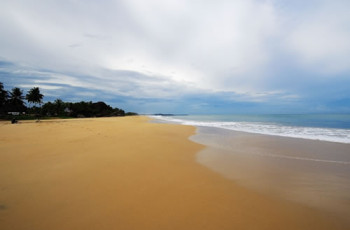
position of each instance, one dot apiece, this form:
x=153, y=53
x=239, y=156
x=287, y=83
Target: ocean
x=324, y=127
x=311, y=166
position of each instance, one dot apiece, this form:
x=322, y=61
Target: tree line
x=13, y=102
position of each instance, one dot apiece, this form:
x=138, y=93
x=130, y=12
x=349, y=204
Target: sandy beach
x=311, y=172
x=127, y=173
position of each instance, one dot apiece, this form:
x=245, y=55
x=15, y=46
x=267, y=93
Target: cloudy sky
x=181, y=56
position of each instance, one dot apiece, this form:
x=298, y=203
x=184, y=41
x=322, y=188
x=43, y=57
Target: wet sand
x=126, y=173
x=310, y=172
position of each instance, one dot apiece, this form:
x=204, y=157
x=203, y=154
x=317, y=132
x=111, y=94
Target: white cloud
x=167, y=48
x=41, y=86
x=321, y=39
x=205, y=42
x=202, y=43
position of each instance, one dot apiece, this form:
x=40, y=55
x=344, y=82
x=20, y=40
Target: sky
x=178, y=56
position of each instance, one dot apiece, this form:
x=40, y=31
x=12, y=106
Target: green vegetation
x=3, y=96
x=12, y=105
x=15, y=102
x=34, y=96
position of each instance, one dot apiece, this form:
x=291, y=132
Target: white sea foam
x=312, y=133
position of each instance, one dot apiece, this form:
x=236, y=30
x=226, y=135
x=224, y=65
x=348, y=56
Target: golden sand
x=126, y=173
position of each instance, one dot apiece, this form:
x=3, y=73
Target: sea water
x=292, y=166
x=324, y=127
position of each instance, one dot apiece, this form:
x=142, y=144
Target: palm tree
x=3, y=95
x=3, y=98
x=34, y=96
x=16, y=100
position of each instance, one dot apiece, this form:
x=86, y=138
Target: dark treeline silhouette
x=80, y=109
x=12, y=103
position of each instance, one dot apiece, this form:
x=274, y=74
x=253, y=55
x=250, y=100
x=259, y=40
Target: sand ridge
x=126, y=173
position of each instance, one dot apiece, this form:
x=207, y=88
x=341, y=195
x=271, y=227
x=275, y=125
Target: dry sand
x=126, y=173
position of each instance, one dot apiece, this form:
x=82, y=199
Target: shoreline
x=127, y=173
x=309, y=172
x=327, y=133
